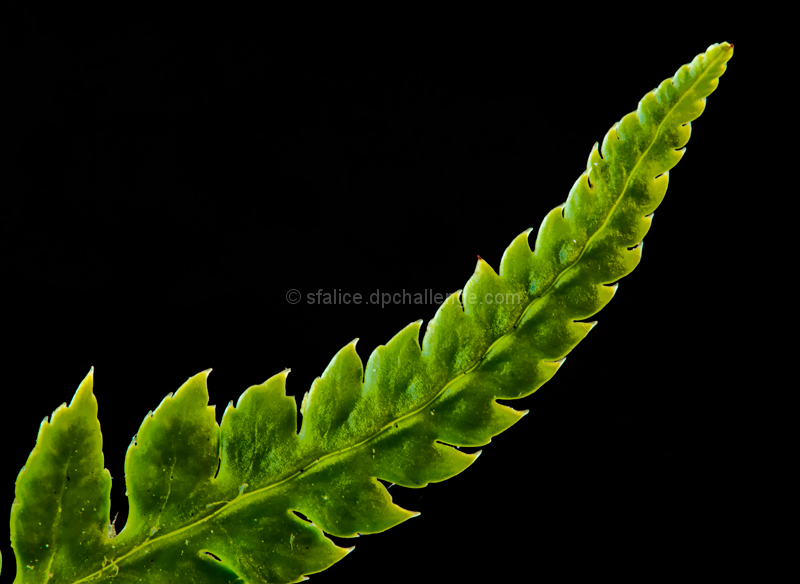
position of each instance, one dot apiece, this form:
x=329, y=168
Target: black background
x=166, y=188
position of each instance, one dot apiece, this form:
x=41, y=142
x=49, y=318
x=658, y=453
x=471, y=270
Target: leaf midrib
x=339, y=453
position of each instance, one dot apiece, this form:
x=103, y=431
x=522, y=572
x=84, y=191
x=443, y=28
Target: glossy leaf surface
x=218, y=503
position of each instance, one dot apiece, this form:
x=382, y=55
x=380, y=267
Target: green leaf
x=219, y=503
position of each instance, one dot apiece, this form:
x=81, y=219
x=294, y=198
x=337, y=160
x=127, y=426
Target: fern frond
x=219, y=503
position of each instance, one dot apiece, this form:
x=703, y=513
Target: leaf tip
x=348, y=550
x=588, y=326
x=84, y=390
x=202, y=377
